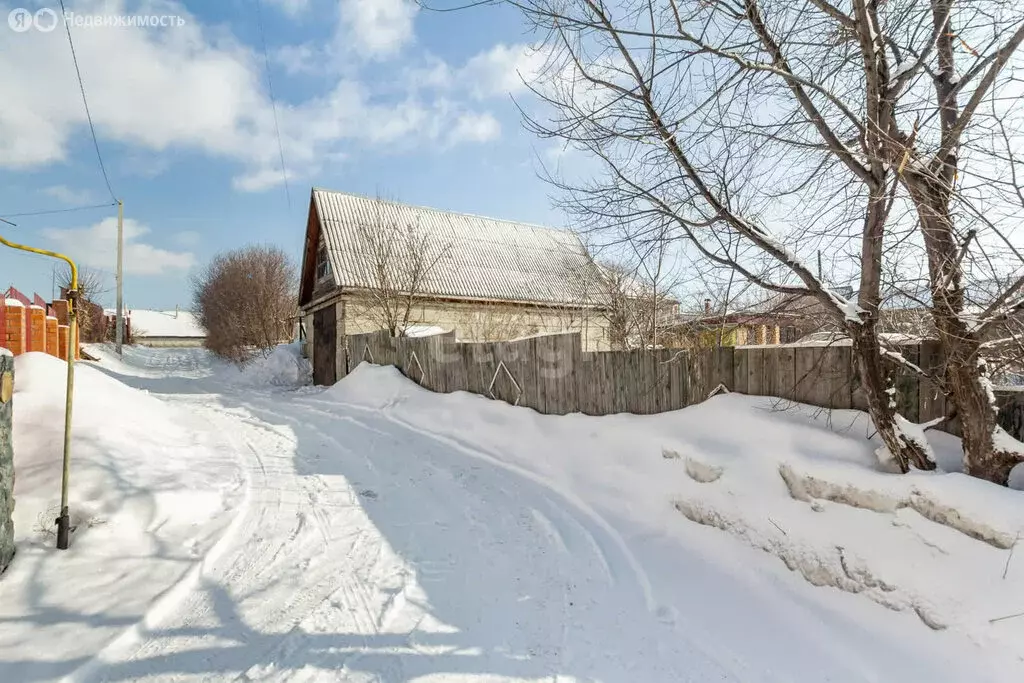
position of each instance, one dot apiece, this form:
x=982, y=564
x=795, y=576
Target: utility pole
x=119, y=321
x=820, y=275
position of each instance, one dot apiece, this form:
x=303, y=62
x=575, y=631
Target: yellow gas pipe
x=64, y=521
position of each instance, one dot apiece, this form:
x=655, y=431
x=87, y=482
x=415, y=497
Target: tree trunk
x=966, y=373
x=868, y=356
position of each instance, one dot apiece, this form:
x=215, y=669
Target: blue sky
x=372, y=95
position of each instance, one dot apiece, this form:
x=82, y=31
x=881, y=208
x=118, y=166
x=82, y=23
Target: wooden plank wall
x=552, y=375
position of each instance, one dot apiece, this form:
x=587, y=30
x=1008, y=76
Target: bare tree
x=491, y=324
x=638, y=304
x=401, y=258
x=943, y=89
x=92, y=285
x=245, y=299
x=733, y=130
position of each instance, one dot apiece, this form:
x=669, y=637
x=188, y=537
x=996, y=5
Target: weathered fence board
x=839, y=360
x=907, y=384
x=806, y=373
x=739, y=371
x=552, y=375
x=755, y=370
x=932, y=403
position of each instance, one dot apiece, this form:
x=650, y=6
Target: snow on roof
x=5, y=352
x=841, y=339
x=13, y=302
x=475, y=257
x=165, y=324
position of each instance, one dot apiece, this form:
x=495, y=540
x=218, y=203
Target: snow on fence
x=551, y=374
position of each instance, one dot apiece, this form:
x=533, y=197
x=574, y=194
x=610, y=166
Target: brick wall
x=62, y=342
x=35, y=325
x=28, y=327
x=51, y=336
x=14, y=326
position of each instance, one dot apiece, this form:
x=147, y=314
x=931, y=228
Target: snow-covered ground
x=152, y=488
x=147, y=323
x=374, y=531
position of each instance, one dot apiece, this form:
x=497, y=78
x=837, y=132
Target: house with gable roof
x=488, y=278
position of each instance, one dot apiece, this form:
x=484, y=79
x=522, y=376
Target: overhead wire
x=273, y=102
x=85, y=101
x=45, y=212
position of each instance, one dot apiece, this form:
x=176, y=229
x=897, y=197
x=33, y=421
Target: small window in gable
x=323, y=263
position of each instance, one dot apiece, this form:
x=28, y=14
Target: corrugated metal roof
x=476, y=257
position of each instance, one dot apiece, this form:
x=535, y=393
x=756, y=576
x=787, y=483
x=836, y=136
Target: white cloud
x=475, y=128
x=69, y=196
x=96, y=246
x=260, y=180
x=199, y=90
x=502, y=70
x=299, y=59
x=378, y=28
x=433, y=73
x=498, y=71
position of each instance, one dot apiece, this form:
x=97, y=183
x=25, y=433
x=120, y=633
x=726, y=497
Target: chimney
x=707, y=306
x=175, y=311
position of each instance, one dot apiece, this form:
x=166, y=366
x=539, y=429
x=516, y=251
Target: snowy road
x=510, y=582
x=366, y=550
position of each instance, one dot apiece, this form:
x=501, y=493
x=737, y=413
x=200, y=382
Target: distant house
x=490, y=279
x=161, y=328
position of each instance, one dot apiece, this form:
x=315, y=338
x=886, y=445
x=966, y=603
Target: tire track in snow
x=168, y=602
x=281, y=536
x=618, y=546
x=569, y=524
x=396, y=601
x=492, y=568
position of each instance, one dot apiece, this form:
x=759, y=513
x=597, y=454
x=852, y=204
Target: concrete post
x=6, y=459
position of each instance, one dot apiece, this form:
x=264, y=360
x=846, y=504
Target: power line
x=458, y=8
x=88, y=115
x=51, y=211
x=273, y=103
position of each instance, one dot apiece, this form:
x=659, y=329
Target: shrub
x=246, y=301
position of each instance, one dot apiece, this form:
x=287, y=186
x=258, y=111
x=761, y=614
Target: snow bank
x=283, y=367
x=800, y=484
x=142, y=511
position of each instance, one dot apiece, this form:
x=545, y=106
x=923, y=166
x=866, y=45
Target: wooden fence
x=552, y=375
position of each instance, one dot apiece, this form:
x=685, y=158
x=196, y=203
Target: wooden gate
x=325, y=345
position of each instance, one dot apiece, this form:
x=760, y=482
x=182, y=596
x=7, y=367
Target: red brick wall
x=52, y=338
x=14, y=328
x=62, y=342
x=36, y=328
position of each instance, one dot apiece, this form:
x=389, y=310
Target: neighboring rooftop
x=480, y=258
